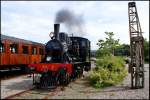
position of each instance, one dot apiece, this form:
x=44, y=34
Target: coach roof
x=14, y=39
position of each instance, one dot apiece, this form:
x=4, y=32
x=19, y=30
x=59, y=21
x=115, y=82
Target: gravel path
x=80, y=89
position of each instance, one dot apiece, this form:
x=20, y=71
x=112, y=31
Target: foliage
x=106, y=47
x=122, y=50
x=110, y=46
x=146, y=50
x=109, y=71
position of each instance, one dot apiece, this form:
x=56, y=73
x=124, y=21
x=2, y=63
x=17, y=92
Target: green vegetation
x=122, y=50
x=107, y=47
x=110, y=66
x=110, y=69
x=146, y=51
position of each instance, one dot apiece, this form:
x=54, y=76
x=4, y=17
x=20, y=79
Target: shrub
x=108, y=71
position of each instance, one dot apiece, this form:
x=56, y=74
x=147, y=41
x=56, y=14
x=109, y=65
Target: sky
x=34, y=20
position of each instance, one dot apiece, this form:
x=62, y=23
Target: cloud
x=33, y=20
x=26, y=27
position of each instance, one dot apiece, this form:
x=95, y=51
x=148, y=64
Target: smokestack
x=56, y=30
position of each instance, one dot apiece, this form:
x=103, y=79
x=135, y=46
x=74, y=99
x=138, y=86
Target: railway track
x=34, y=93
x=17, y=94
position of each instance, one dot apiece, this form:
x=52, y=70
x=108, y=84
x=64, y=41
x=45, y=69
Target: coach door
x=41, y=53
x=34, y=57
x=3, y=56
x=25, y=53
x=14, y=59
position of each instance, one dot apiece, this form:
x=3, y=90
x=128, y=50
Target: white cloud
x=33, y=20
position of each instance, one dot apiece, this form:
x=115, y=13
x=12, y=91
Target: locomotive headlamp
x=48, y=58
x=51, y=35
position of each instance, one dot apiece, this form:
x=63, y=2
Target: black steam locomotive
x=66, y=58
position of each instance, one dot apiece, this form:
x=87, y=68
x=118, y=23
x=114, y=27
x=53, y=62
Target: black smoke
x=74, y=23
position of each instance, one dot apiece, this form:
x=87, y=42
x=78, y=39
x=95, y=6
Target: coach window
x=13, y=48
x=25, y=49
x=41, y=51
x=34, y=50
x=1, y=47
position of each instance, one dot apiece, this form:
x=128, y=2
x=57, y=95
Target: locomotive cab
x=80, y=52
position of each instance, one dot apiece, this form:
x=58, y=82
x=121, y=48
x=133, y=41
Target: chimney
x=56, y=30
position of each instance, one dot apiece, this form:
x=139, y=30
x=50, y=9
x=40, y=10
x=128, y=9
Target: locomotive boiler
x=66, y=58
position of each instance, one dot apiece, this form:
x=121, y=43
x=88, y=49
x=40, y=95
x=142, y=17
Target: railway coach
x=17, y=53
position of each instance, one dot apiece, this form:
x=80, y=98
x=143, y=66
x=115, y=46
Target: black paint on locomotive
x=80, y=49
x=65, y=49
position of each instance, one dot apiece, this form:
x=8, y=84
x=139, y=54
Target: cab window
x=25, y=50
x=34, y=50
x=1, y=47
x=83, y=44
x=41, y=51
x=13, y=48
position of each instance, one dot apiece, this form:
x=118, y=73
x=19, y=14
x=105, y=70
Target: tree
x=109, y=69
x=146, y=50
x=107, y=47
x=122, y=50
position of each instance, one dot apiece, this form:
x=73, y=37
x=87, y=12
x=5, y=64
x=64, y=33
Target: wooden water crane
x=136, y=66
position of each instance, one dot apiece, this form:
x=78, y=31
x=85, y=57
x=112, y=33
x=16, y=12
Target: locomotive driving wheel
x=64, y=79
x=80, y=72
x=67, y=78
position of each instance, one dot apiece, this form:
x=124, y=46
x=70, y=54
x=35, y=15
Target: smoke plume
x=74, y=23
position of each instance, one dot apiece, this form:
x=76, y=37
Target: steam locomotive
x=66, y=58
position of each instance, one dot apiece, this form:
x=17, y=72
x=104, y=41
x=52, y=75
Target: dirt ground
x=80, y=89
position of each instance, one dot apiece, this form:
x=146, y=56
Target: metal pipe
x=56, y=31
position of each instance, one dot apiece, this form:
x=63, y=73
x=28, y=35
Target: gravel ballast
x=80, y=89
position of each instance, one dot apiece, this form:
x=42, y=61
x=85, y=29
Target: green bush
x=146, y=59
x=109, y=70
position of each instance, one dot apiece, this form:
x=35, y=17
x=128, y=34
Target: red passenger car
x=18, y=53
